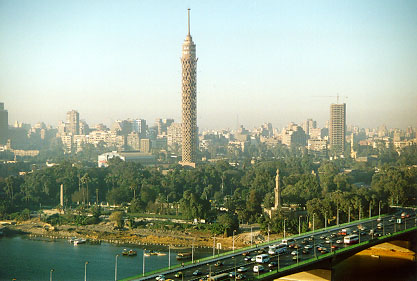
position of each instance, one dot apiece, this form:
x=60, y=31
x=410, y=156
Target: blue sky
x=259, y=61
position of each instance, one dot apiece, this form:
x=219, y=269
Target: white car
x=258, y=268
x=242, y=269
x=339, y=241
x=160, y=278
x=295, y=252
x=308, y=247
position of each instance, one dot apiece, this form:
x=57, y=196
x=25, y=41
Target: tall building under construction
x=189, y=100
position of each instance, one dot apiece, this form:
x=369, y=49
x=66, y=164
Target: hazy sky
x=258, y=61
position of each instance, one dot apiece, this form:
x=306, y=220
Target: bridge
x=323, y=249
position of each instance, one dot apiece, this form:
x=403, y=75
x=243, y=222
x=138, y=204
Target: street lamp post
x=50, y=275
x=251, y=236
x=370, y=209
x=284, y=228
x=349, y=215
x=85, y=271
x=268, y=232
x=360, y=206
x=299, y=225
x=143, y=263
x=313, y=221
x=379, y=209
x=337, y=215
x=214, y=246
x=325, y=220
x=234, y=239
x=169, y=256
x=115, y=269
x=192, y=253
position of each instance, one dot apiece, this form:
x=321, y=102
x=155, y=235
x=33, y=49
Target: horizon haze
x=258, y=61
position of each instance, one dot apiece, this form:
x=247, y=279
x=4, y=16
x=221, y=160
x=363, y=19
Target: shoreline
x=104, y=233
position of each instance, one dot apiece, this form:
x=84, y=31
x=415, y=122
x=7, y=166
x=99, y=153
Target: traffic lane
x=287, y=259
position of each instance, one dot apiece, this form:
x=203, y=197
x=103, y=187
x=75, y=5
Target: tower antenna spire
x=188, y=21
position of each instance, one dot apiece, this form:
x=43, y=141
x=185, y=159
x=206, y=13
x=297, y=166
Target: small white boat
x=79, y=241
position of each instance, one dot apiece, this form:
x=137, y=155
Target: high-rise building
x=4, y=124
x=73, y=122
x=189, y=100
x=337, y=128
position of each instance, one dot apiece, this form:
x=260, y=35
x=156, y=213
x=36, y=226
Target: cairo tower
x=189, y=100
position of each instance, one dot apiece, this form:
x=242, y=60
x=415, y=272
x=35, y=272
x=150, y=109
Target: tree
x=229, y=223
x=117, y=219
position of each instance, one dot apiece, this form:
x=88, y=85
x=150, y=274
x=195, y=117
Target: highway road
x=240, y=265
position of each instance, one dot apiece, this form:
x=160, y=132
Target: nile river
x=26, y=259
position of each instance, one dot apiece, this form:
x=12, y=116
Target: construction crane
x=337, y=97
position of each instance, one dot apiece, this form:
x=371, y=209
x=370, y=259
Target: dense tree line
x=221, y=193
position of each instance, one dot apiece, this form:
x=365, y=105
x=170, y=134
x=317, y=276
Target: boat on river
x=129, y=253
x=184, y=256
x=77, y=241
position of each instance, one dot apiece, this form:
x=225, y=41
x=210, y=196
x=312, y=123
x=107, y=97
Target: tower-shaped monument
x=277, y=191
x=189, y=100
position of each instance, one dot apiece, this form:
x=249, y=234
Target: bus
x=351, y=239
x=222, y=276
x=262, y=258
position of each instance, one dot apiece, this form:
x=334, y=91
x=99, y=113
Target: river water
x=27, y=259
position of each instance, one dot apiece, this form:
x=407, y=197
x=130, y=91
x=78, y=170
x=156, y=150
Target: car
x=328, y=241
x=355, y=231
x=258, y=268
x=197, y=273
x=311, y=238
x=240, y=277
x=295, y=252
x=324, y=250
x=178, y=274
x=334, y=247
x=247, y=258
x=320, y=247
x=242, y=269
x=322, y=237
x=308, y=247
x=304, y=241
x=306, y=251
x=160, y=278
x=219, y=263
x=332, y=235
x=245, y=254
x=272, y=264
x=295, y=258
x=339, y=241
x=253, y=259
x=261, y=251
x=232, y=274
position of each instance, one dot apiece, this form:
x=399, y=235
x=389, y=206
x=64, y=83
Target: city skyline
x=259, y=61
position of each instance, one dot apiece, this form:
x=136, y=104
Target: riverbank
x=105, y=232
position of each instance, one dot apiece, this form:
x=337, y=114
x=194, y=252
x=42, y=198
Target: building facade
x=73, y=122
x=337, y=128
x=4, y=124
x=189, y=100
